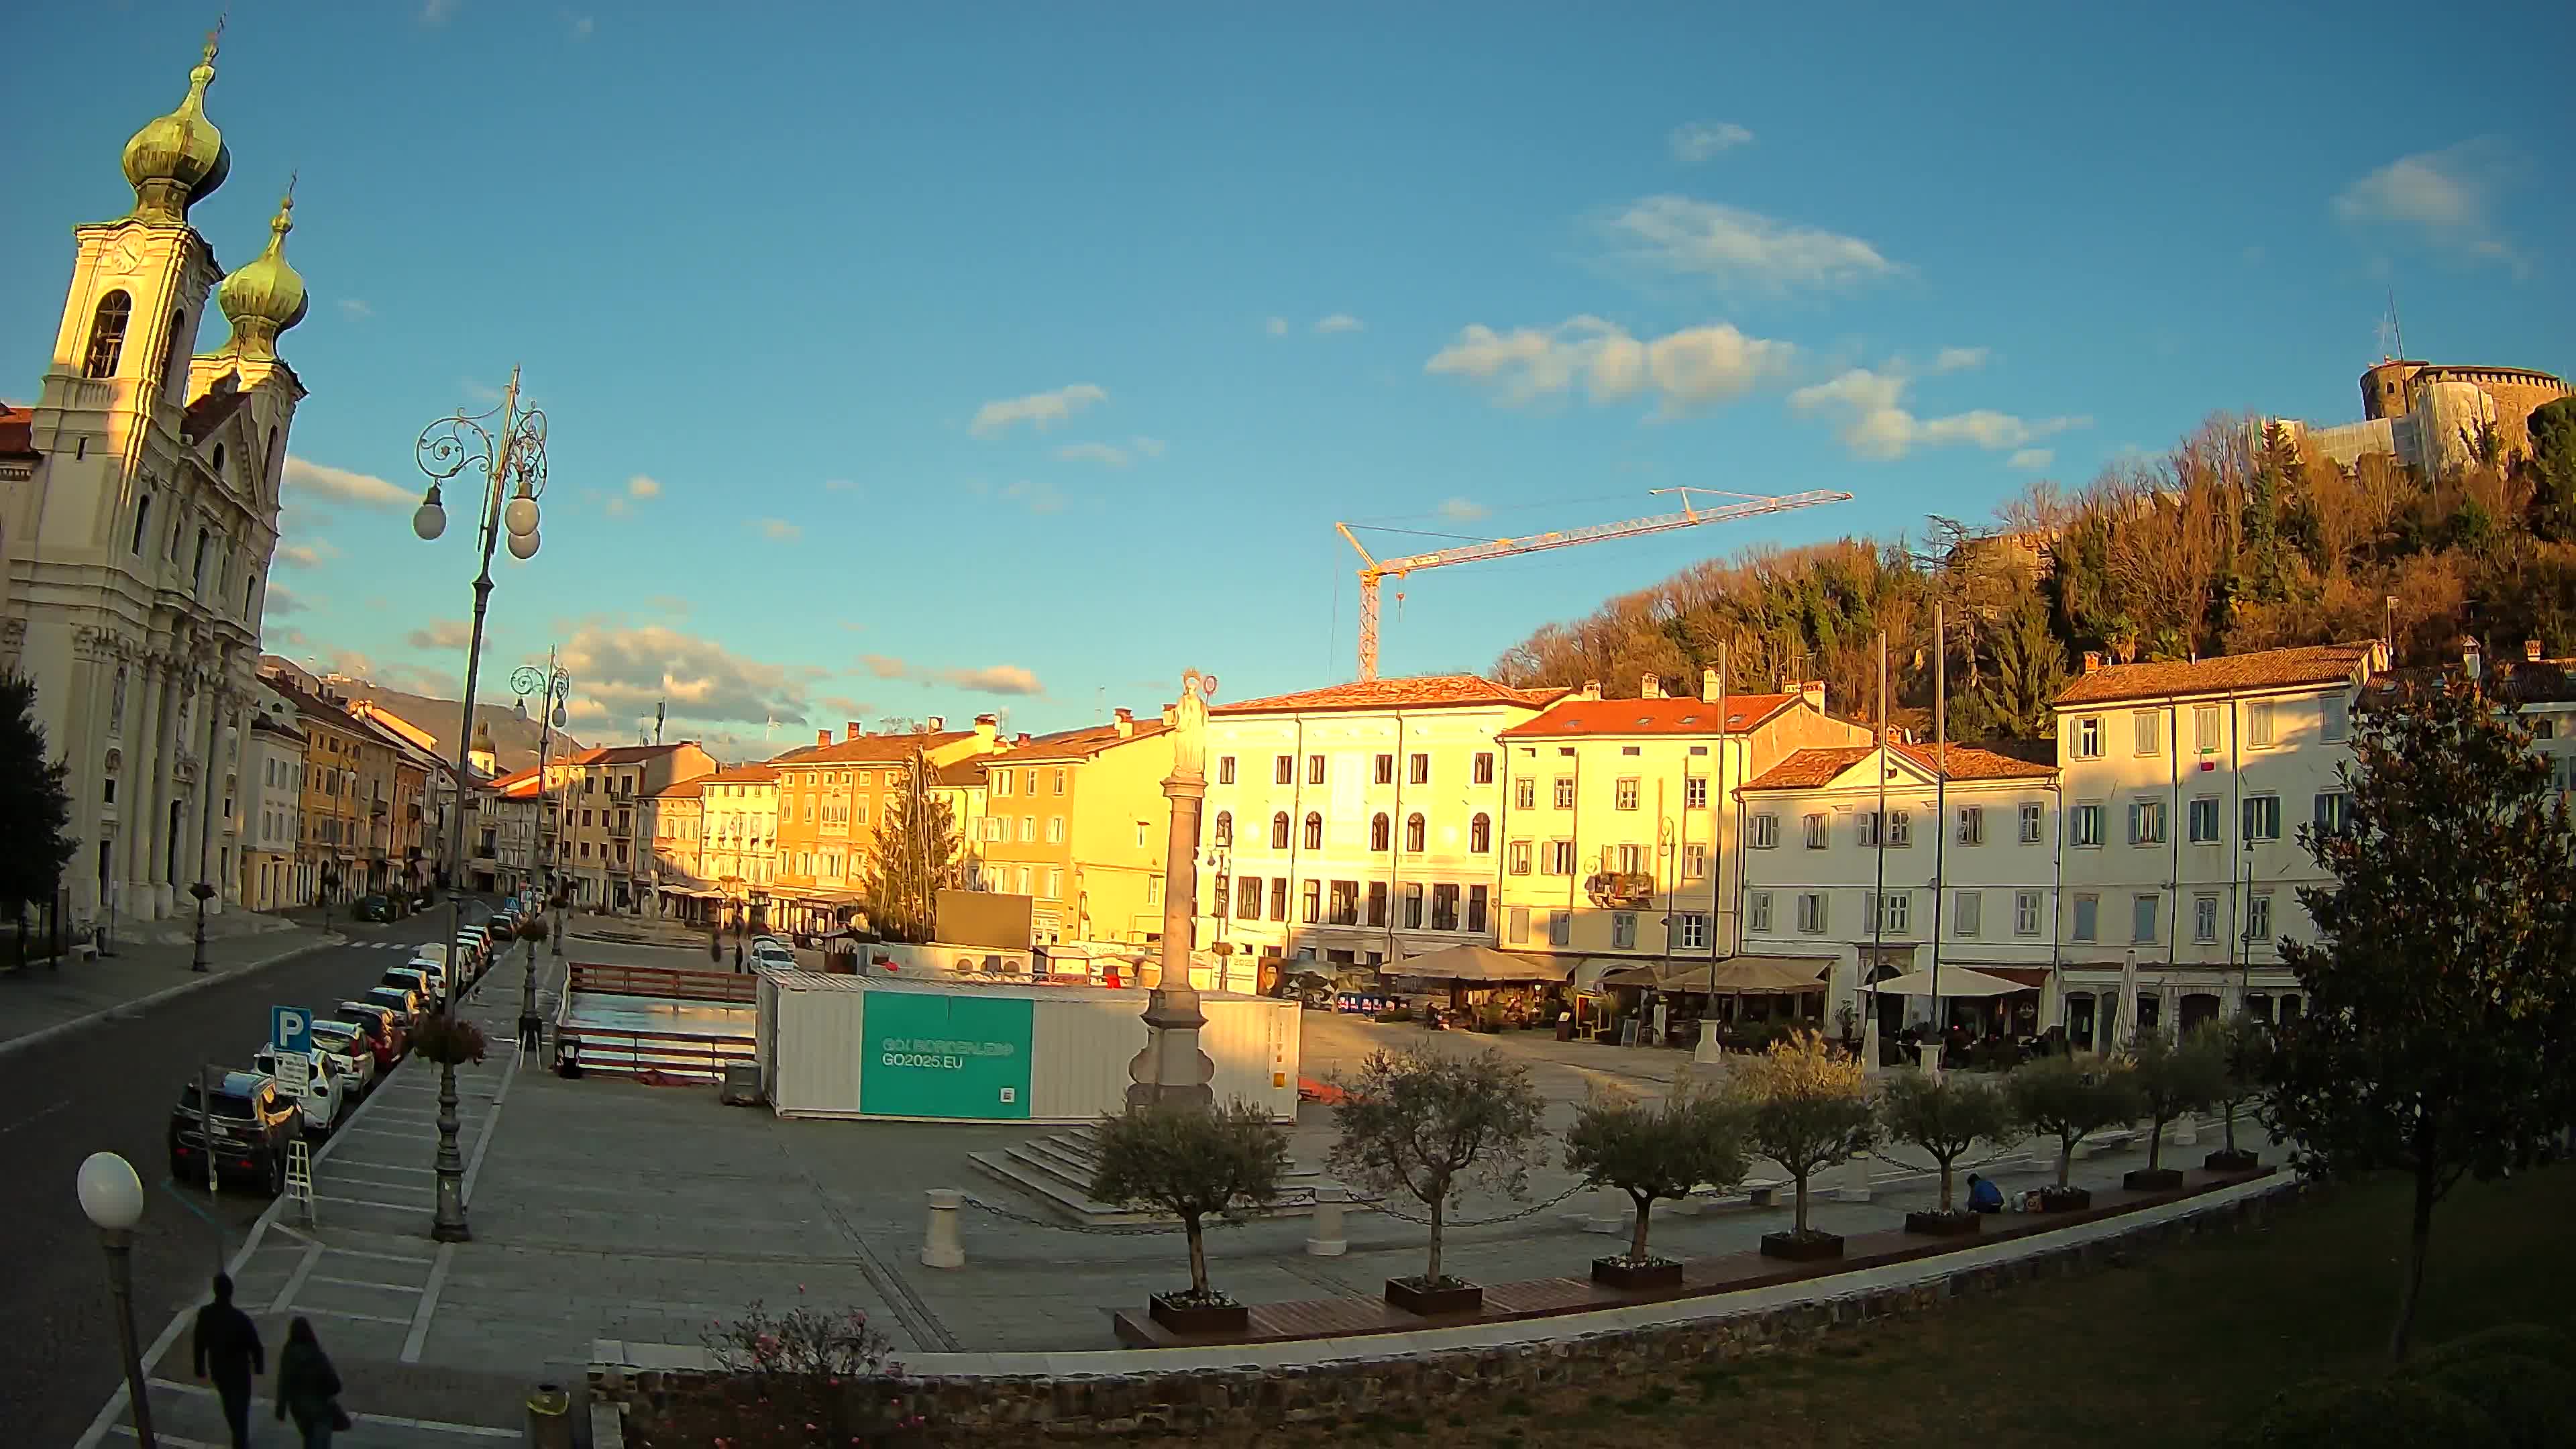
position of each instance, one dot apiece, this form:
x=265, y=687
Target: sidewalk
x=41, y=1000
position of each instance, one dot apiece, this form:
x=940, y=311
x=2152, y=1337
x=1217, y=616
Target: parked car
x=326, y=1096
x=352, y=1053
x=388, y=1032
x=427, y=984
x=469, y=952
x=1311, y=990
x=402, y=1001
x=245, y=1130
x=374, y=908
x=772, y=955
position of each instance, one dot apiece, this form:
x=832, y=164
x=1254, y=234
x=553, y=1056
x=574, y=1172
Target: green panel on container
x=946, y=1056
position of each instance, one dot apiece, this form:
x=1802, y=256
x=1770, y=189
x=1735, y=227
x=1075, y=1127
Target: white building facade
x=1341, y=825
x=273, y=874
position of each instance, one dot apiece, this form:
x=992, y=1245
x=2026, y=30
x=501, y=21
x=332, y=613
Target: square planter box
x=2152, y=1179
x=1199, y=1317
x=1812, y=1248
x=1620, y=1273
x=2224, y=1160
x=1943, y=1225
x=2064, y=1199
x=1412, y=1296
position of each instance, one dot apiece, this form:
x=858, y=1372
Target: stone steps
x=1057, y=1170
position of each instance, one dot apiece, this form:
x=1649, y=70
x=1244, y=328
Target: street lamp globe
x=430, y=520
x=110, y=1193
x=520, y=516
x=523, y=546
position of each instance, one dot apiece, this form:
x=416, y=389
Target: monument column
x=1171, y=1070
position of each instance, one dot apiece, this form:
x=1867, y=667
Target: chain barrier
x=1146, y=1230
x=1105, y=1230
x=1533, y=1209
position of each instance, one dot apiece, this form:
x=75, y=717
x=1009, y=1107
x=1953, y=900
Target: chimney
x=1651, y=687
x=1171, y=714
x=1591, y=690
x=986, y=727
x=2092, y=661
x=822, y=737
x=1708, y=686
x=938, y=725
x=2531, y=651
x=850, y=729
x=1022, y=738
x=1125, y=721
x=1813, y=692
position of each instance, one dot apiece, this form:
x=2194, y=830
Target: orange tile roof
x=518, y=784
x=626, y=754
x=1812, y=768
x=870, y=748
x=1073, y=744
x=1600, y=717
x=681, y=790
x=744, y=775
x=2226, y=674
x=1427, y=691
x=17, y=432
x=960, y=773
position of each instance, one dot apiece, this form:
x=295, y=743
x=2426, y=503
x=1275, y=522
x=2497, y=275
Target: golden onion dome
x=179, y=158
x=266, y=296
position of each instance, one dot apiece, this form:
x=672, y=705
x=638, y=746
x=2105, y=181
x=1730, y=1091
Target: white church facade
x=139, y=540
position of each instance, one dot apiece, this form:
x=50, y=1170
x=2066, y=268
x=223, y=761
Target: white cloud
x=2446, y=197
x=1959, y=359
x=1093, y=453
x=436, y=12
x=443, y=634
x=480, y=391
x=1875, y=424
x=777, y=530
x=1148, y=447
x=840, y=485
x=1040, y=410
x=991, y=679
x=306, y=555
x=643, y=486
x=355, y=310
x=344, y=485
x=281, y=601
x=2031, y=459
x=582, y=26
x=1461, y=510
x=1276, y=326
x=1039, y=497
x=1682, y=370
x=1699, y=140
x=615, y=508
x=621, y=672
x=1339, y=322
x=1740, y=249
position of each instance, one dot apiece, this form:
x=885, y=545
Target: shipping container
x=862, y=1046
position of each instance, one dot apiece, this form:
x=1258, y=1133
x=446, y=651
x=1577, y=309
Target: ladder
x=299, y=1176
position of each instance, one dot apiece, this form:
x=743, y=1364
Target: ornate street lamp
x=510, y=454
x=112, y=1196
x=553, y=687
x=204, y=893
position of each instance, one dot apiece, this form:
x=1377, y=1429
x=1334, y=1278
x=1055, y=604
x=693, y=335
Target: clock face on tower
x=125, y=256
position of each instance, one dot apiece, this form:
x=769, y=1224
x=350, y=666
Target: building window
x=1558, y=858
x=2025, y=913
x=1865, y=824
x=1382, y=769
x=1900, y=827
x=1524, y=793
x=1028, y=828
x=1283, y=770
x=2204, y=919
x=1757, y=911
x=1623, y=930
x=1314, y=831
x=2032, y=815
x=1972, y=825
x=1516, y=926
x=142, y=522
x=2258, y=917
x=1476, y=898
x=1762, y=832
x=1377, y=903
x=1695, y=792
x=1380, y=832
x=2334, y=812
x=2146, y=822
x=1415, y=832
x=1968, y=915
x=2142, y=918
x=2088, y=914
x=1413, y=905
x=1695, y=862
x=1482, y=772
x=2142, y=724
x=2203, y=820
x=2262, y=817
x=1345, y=903
x=2088, y=826
x=1314, y=769
x=2259, y=725
x=2205, y=728
x=1811, y=912
x=1565, y=792
x=1224, y=828
x=1279, y=898
x=2088, y=737
x=1313, y=896
x=1895, y=912
x=2334, y=718
x=1815, y=827
x=1518, y=856
x=1417, y=770
x=1279, y=831
x=1480, y=834
x=107, y=334
x=1560, y=928
x=1623, y=794
x=1055, y=828
x=1225, y=769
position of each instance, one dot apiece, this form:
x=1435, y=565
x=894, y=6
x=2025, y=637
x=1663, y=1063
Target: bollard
x=940, y=1245
x=1324, y=1232
x=1610, y=1207
x=2186, y=1131
x=549, y=1418
x=1850, y=1181
x=1932, y=1060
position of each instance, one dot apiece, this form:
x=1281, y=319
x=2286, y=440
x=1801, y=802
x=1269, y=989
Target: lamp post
x=112, y=1196
x=204, y=893
x=551, y=686
x=511, y=455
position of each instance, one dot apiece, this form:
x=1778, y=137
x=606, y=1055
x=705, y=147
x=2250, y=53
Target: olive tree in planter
x=2245, y=1046
x=2070, y=1098
x=1808, y=1108
x=1432, y=1125
x=1192, y=1163
x=1947, y=1118
x=1653, y=1152
x=2175, y=1074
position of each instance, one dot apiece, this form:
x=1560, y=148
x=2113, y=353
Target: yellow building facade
x=1077, y=821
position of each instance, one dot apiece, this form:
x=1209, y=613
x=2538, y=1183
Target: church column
x=168, y=836
x=141, y=785
x=149, y=763
x=83, y=745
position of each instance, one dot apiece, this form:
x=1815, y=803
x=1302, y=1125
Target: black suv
x=253, y=1122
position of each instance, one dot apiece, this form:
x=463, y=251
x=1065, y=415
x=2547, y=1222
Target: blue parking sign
x=290, y=1030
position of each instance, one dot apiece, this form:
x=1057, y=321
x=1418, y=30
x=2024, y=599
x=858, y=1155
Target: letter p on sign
x=290, y=1029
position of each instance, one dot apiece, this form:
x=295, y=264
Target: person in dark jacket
x=228, y=1352
x=308, y=1388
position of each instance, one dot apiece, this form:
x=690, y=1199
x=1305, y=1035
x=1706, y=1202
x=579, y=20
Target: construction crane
x=1372, y=568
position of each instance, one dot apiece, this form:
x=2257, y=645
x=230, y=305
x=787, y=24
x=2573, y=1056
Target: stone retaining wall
x=1418, y=1384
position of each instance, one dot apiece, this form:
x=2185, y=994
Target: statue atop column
x=1171, y=1069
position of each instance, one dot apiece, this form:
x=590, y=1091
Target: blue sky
x=1022, y=356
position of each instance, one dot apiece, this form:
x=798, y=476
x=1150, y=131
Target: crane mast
x=1374, y=569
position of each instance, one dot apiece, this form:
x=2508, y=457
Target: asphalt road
x=111, y=1085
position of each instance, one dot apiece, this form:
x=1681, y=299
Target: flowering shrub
x=802, y=1377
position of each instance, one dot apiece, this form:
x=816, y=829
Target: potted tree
x=2070, y=1098
x=1808, y=1109
x=1192, y=1162
x=1947, y=1117
x=2245, y=1045
x=1432, y=1125
x=2175, y=1075
x=1653, y=1152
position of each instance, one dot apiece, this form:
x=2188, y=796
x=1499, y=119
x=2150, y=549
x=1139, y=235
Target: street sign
x=290, y=1030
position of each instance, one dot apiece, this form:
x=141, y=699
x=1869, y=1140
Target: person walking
x=308, y=1388
x=228, y=1352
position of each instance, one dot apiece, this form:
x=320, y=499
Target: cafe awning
x=1478, y=963
x=1955, y=981
x=1736, y=975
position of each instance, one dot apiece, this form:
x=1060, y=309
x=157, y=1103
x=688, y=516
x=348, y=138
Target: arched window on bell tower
x=174, y=359
x=107, y=334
